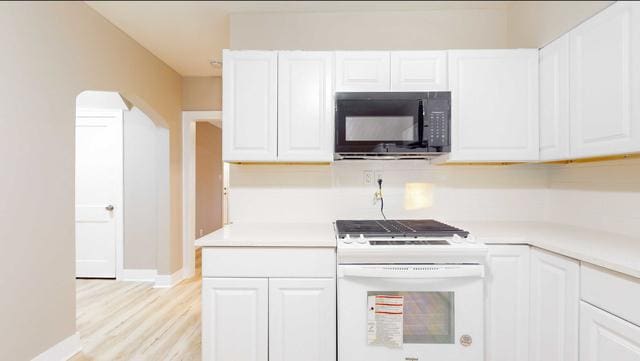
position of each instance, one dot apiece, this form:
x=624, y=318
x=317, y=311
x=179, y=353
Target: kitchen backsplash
x=326, y=192
x=601, y=195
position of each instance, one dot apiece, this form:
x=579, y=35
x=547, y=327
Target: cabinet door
x=554, y=100
x=362, y=71
x=234, y=319
x=494, y=110
x=507, y=307
x=605, y=72
x=302, y=319
x=249, y=100
x=305, y=106
x=419, y=70
x=555, y=300
x=605, y=337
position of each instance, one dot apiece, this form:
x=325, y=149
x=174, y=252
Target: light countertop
x=609, y=250
x=271, y=235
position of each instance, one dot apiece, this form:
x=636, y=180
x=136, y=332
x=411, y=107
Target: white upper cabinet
x=305, y=106
x=249, y=101
x=507, y=307
x=605, y=78
x=494, y=110
x=362, y=71
x=555, y=307
x=554, y=100
x=419, y=71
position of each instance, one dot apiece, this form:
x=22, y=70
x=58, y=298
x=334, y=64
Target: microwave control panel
x=437, y=123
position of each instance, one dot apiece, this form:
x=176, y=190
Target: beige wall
x=52, y=51
x=145, y=169
x=533, y=24
x=438, y=29
x=208, y=178
x=521, y=24
x=202, y=93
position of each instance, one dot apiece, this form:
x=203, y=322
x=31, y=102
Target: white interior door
x=98, y=192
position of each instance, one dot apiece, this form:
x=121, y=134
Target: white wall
x=330, y=192
x=600, y=195
x=437, y=29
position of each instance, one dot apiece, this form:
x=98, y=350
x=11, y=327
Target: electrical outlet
x=368, y=177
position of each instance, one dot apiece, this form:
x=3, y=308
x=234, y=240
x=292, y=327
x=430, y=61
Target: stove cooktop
x=396, y=228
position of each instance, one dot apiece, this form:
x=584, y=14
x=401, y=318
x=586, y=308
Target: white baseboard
x=61, y=351
x=139, y=275
x=167, y=281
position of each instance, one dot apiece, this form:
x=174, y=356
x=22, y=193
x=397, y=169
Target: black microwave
x=392, y=124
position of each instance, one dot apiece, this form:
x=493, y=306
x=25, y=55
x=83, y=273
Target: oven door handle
x=412, y=271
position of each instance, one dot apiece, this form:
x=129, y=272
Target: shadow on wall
x=144, y=219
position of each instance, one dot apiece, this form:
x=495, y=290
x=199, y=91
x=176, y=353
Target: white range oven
x=409, y=290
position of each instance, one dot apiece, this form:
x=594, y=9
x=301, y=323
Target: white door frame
x=119, y=201
x=189, y=119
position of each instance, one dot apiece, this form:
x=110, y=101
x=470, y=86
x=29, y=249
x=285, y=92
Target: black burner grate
x=397, y=228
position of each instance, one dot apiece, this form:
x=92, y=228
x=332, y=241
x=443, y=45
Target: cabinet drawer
x=268, y=262
x=613, y=292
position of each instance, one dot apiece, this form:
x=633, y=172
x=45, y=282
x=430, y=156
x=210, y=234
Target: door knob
x=109, y=207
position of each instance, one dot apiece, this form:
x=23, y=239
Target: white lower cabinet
x=555, y=300
x=302, y=319
x=605, y=337
x=275, y=319
x=234, y=319
x=507, y=306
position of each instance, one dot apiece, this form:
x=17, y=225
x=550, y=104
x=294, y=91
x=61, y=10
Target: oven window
x=428, y=317
x=379, y=128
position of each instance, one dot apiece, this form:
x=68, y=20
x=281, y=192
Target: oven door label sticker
x=385, y=320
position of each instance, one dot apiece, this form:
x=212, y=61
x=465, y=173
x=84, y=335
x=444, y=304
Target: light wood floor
x=134, y=321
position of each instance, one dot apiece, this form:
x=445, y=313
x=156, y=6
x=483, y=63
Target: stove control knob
x=361, y=239
x=347, y=239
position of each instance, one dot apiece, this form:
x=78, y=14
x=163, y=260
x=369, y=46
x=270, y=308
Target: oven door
x=442, y=312
x=379, y=126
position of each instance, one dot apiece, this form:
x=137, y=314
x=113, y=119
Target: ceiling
x=187, y=35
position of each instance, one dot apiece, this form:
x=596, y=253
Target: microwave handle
x=427, y=271
x=421, y=112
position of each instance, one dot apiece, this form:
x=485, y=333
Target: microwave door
x=377, y=126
